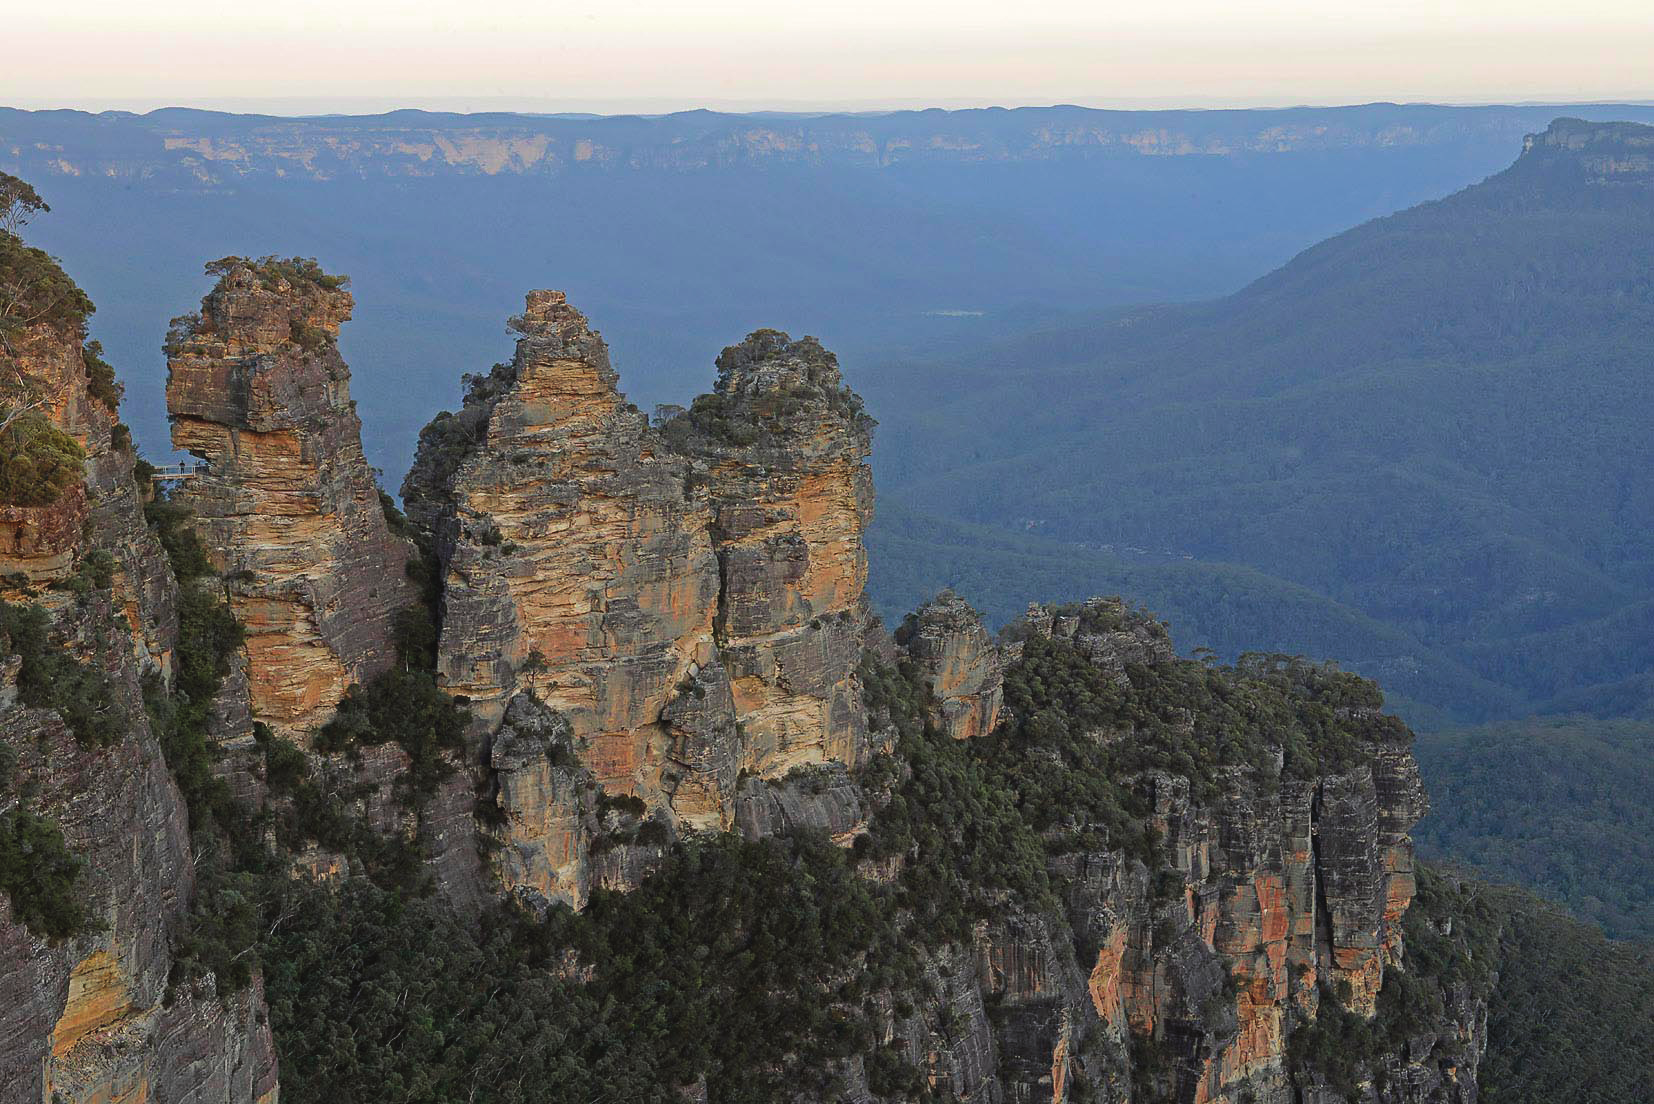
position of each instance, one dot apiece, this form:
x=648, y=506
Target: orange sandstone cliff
x=283, y=498
x=688, y=596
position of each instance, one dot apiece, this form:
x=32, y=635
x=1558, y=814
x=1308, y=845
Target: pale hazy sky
x=643, y=55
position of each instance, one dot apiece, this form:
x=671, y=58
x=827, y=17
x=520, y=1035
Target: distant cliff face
x=205, y=150
x=1604, y=153
x=88, y=1018
x=284, y=499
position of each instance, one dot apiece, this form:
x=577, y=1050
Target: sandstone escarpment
x=960, y=662
x=86, y=1018
x=283, y=498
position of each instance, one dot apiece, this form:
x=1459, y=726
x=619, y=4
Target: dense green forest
x=1561, y=805
x=1572, y=1014
x=1226, y=607
x=1437, y=421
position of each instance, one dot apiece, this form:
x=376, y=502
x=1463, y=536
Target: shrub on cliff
x=101, y=383
x=38, y=461
x=183, y=548
x=38, y=874
x=403, y=707
x=52, y=678
x=34, y=289
x=296, y=271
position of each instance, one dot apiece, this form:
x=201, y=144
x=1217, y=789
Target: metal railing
x=174, y=472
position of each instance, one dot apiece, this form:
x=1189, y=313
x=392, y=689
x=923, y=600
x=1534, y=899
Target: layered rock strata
x=688, y=597
x=283, y=498
x=784, y=446
x=576, y=561
x=86, y=1020
x=960, y=664
x=1279, y=891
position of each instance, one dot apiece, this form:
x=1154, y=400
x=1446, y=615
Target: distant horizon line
x=322, y=107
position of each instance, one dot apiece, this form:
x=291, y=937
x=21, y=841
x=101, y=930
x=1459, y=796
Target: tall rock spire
x=784, y=445
x=689, y=597
x=284, y=500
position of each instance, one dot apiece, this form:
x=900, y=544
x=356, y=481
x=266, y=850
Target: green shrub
x=312, y=339
x=285, y=764
x=38, y=461
x=184, y=549
x=37, y=292
x=101, y=383
x=297, y=271
x=404, y=707
x=38, y=874
x=52, y=678
x=94, y=572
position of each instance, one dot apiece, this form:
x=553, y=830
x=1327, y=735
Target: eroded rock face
x=1285, y=885
x=785, y=447
x=84, y=1020
x=960, y=662
x=284, y=500
x=546, y=799
x=689, y=597
x=576, y=558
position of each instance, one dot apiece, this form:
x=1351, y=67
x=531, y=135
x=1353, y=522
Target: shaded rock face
x=784, y=447
x=575, y=561
x=960, y=662
x=84, y=1020
x=1283, y=888
x=820, y=798
x=690, y=604
x=284, y=501
x=546, y=800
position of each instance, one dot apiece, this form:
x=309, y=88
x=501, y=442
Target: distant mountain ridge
x=875, y=232
x=214, y=148
x=1438, y=419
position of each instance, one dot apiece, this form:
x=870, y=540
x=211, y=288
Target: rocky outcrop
x=822, y=798
x=1287, y=889
x=688, y=597
x=1265, y=896
x=576, y=559
x=87, y=1019
x=546, y=800
x=784, y=446
x=283, y=499
x=960, y=665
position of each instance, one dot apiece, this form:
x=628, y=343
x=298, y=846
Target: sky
x=304, y=56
